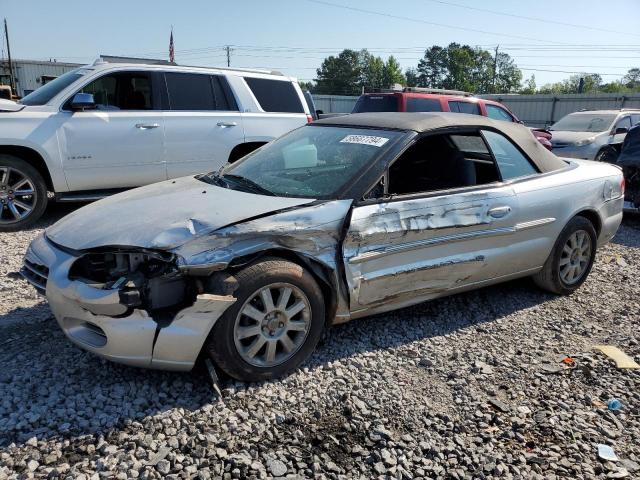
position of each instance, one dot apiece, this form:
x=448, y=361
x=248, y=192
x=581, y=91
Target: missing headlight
x=144, y=279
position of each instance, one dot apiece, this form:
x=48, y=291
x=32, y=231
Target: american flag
x=171, y=52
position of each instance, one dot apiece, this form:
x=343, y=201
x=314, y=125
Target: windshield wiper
x=214, y=179
x=247, y=183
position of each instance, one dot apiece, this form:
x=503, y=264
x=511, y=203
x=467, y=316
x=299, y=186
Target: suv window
x=416, y=104
x=511, y=161
x=464, y=107
x=275, y=95
x=441, y=162
x=376, y=103
x=498, y=113
x=635, y=119
x=190, y=91
x=120, y=91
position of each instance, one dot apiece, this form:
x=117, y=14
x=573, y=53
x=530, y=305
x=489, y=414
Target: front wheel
x=607, y=155
x=274, y=325
x=571, y=258
x=23, y=194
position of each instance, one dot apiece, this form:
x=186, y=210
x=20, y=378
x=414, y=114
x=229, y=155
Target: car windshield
x=376, y=103
x=310, y=162
x=49, y=90
x=584, y=122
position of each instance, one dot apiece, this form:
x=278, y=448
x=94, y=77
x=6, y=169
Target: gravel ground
x=469, y=386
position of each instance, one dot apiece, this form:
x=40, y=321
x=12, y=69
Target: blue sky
x=295, y=35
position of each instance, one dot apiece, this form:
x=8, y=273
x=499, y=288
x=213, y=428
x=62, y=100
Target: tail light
x=309, y=118
x=622, y=186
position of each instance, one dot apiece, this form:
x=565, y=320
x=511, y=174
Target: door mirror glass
x=83, y=101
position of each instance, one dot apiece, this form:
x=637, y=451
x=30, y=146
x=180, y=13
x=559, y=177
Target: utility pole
x=11, y=78
x=495, y=68
x=228, y=49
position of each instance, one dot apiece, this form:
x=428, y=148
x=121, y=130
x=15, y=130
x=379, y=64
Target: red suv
x=414, y=99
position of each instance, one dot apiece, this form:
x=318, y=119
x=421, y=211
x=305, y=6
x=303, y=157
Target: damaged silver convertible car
x=336, y=220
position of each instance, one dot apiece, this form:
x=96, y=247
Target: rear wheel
x=23, y=194
x=571, y=259
x=274, y=325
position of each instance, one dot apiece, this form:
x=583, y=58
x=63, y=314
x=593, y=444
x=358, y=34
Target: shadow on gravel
x=49, y=387
x=629, y=233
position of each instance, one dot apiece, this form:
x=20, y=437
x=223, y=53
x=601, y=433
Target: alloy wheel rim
x=272, y=325
x=575, y=257
x=18, y=195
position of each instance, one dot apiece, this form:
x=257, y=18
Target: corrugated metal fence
x=534, y=110
x=543, y=110
x=334, y=103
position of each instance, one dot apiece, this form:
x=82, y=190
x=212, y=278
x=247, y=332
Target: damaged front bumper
x=97, y=320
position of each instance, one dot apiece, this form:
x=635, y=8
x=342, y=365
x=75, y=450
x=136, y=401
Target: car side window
x=222, y=92
x=498, y=113
x=278, y=96
x=442, y=162
x=121, y=91
x=415, y=104
x=511, y=161
x=635, y=119
x=624, y=123
x=190, y=91
x=464, y=107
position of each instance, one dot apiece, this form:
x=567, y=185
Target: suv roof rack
x=439, y=91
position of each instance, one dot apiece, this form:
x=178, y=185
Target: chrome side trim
x=534, y=223
x=380, y=252
x=492, y=232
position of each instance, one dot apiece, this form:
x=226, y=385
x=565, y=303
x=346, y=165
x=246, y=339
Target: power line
x=533, y=19
x=417, y=20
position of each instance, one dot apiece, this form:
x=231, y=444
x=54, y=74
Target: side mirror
x=319, y=112
x=83, y=101
x=621, y=131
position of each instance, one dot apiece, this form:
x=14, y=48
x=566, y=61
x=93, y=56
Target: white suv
x=107, y=127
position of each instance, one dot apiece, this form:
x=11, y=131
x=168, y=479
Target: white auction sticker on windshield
x=365, y=140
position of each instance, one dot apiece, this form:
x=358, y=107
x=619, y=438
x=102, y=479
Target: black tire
x=607, y=155
x=550, y=278
x=221, y=344
x=17, y=166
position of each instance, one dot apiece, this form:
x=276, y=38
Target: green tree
x=350, y=71
x=432, y=68
x=372, y=70
x=529, y=86
x=632, y=79
x=592, y=83
x=411, y=74
x=306, y=86
x=462, y=67
x=340, y=75
x=392, y=73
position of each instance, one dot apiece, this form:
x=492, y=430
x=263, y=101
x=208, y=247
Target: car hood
x=562, y=136
x=164, y=215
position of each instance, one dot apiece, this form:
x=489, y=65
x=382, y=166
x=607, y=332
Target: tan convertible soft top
x=425, y=122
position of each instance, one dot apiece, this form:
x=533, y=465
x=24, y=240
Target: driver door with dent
x=453, y=231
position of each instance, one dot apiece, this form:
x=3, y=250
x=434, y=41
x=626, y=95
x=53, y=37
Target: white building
x=31, y=74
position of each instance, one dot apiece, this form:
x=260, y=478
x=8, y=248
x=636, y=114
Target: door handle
x=499, y=212
x=146, y=126
x=227, y=124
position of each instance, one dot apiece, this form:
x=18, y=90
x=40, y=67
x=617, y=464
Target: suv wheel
x=274, y=325
x=23, y=194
